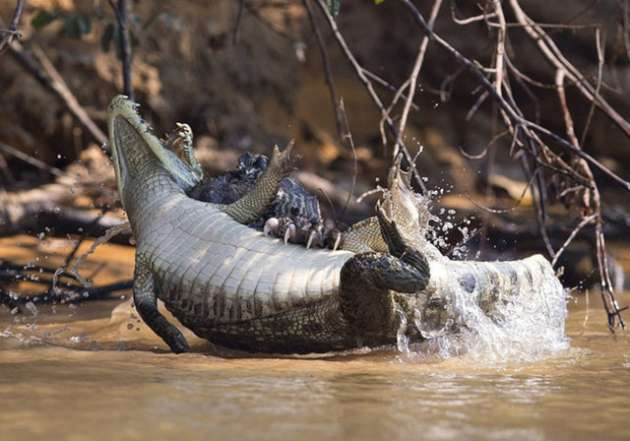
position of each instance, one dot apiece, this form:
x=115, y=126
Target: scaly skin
x=294, y=213
x=229, y=283
x=240, y=289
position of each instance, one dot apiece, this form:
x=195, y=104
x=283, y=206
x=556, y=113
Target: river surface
x=95, y=372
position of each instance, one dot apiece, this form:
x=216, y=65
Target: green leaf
x=378, y=2
x=42, y=18
x=107, y=37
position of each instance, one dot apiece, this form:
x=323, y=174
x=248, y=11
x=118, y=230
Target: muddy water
x=95, y=372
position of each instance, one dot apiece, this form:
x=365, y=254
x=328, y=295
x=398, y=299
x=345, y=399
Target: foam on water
x=526, y=322
x=528, y=327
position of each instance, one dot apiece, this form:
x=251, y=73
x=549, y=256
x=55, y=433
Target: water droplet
x=30, y=307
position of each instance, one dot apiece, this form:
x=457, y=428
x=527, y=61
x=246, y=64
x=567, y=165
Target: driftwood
x=60, y=287
x=53, y=208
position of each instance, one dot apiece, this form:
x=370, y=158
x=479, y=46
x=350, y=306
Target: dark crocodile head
x=294, y=209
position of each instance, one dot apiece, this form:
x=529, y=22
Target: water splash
x=515, y=313
x=491, y=312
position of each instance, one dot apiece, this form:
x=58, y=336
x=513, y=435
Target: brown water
x=73, y=373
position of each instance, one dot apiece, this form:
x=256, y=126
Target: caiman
x=241, y=289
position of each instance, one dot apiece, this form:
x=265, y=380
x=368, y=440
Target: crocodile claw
x=271, y=226
x=309, y=242
x=337, y=240
x=289, y=233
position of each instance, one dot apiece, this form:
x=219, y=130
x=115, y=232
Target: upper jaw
x=122, y=107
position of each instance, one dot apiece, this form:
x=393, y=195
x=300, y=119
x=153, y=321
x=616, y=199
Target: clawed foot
x=294, y=231
x=180, y=142
x=333, y=239
x=307, y=234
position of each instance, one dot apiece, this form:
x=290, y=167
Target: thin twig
x=328, y=75
x=600, y=71
x=347, y=139
x=121, y=11
x=413, y=78
x=360, y=72
x=46, y=74
x=381, y=81
x=30, y=160
x=484, y=152
x=13, y=32
x=476, y=106
x=469, y=20
x=584, y=222
x=517, y=203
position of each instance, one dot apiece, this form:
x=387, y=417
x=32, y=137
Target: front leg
x=255, y=203
x=145, y=301
x=368, y=279
x=180, y=142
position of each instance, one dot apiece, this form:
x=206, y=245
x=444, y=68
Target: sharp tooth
x=310, y=240
x=290, y=233
x=337, y=241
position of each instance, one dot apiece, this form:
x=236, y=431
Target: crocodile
x=241, y=289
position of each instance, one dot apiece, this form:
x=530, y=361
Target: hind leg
x=145, y=301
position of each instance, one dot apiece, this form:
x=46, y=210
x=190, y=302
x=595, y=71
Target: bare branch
x=600, y=70
x=50, y=78
x=121, y=11
x=413, y=78
x=330, y=82
x=516, y=118
x=557, y=59
x=360, y=72
x=584, y=222
x=30, y=160
x=12, y=33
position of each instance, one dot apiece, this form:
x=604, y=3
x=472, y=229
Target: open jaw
x=133, y=144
